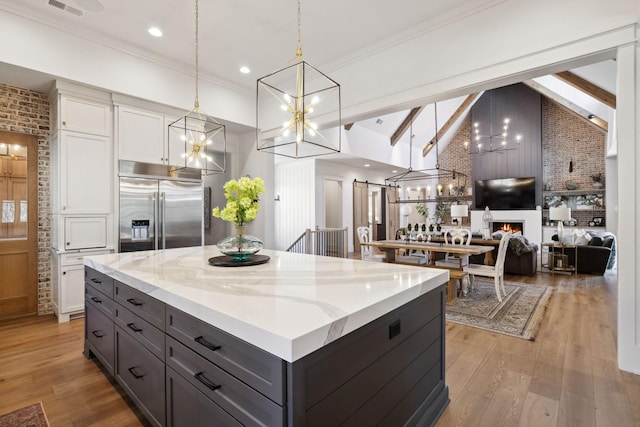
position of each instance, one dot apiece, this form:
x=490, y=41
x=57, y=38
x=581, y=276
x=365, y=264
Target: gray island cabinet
x=300, y=341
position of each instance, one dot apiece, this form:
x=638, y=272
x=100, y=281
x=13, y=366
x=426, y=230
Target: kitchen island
x=302, y=340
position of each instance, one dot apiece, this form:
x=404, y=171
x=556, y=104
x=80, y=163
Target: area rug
x=518, y=315
x=29, y=416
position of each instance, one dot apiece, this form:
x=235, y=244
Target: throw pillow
x=595, y=241
x=579, y=237
x=607, y=241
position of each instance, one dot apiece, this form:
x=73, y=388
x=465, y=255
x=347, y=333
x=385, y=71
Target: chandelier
x=289, y=103
x=204, y=138
x=493, y=141
x=425, y=185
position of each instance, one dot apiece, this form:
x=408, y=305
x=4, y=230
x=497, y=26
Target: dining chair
x=496, y=271
x=367, y=251
x=456, y=236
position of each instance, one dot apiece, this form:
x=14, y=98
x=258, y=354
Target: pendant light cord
x=196, y=103
x=299, y=47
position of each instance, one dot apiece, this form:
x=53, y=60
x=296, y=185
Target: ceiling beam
x=406, y=124
x=469, y=100
x=607, y=98
x=348, y=126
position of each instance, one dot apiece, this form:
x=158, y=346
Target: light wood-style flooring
x=567, y=377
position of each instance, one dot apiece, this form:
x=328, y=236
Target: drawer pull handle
x=134, y=302
x=135, y=373
x=211, y=386
x=204, y=342
x=98, y=281
x=133, y=327
x=98, y=334
x=96, y=300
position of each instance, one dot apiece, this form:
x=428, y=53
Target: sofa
x=521, y=257
x=596, y=251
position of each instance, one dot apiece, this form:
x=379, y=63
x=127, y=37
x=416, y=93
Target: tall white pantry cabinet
x=82, y=189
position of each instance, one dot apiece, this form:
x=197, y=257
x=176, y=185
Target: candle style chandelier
x=493, y=141
x=444, y=182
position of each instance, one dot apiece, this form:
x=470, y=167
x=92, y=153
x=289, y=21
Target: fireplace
x=513, y=226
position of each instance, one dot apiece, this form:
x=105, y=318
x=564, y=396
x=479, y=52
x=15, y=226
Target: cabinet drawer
x=242, y=402
x=99, y=334
x=100, y=281
x=187, y=407
x=75, y=258
x=141, y=304
x=141, y=374
x=98, y=300
x=141, y=330
x=257, y=368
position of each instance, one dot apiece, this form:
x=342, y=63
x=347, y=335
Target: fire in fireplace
x=513, y=226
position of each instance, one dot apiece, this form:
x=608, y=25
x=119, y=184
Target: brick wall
x=26, y=111
x=565, y=137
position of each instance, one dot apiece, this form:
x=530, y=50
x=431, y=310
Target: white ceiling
x=260, y=35
x=257, y=34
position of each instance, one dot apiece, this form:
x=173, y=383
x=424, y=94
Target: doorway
x=332, y=203
x=18, y=225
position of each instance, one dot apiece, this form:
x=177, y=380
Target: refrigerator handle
x=162, y=218
x=155, y=215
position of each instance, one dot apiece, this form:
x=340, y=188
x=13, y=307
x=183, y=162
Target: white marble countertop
x=290, y=307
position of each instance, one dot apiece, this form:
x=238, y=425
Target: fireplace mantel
x=532, y=220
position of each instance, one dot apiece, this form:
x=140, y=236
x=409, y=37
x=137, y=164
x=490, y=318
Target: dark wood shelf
x=574, y=192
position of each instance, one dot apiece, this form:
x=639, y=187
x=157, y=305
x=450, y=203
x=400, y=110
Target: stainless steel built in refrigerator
x=160, y=208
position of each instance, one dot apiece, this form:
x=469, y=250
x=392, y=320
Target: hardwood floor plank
x=505, y=407
x=539, y=411
x=576, y=410
x=612, y=409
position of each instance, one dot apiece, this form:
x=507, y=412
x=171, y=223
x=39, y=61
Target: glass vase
x=240, y=246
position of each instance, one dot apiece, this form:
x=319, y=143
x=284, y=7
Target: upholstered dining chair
x=367, y=251
x=496, y=271
x=456, y=236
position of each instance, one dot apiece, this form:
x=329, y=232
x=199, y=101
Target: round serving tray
x=227, y=261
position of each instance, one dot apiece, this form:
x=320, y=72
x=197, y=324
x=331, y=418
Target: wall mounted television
x=506, y=193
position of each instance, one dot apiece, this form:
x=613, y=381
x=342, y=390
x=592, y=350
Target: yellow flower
x=242, y=200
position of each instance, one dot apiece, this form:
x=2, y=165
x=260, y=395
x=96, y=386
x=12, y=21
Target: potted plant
x=441, y=212
x=597, y=180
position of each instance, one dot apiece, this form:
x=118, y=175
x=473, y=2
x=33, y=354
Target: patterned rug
x=29, y=416
x=518, y=315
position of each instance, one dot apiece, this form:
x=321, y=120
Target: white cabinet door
x=85, y=233
x=72, y=289
x=85, y=174
x=84, y=116
x=141, y=136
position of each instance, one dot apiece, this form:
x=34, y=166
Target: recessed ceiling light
x=155, y=31
x=367, y=165
x=394, y=171
x=245, y=70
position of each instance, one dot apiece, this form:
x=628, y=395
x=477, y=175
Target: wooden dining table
x=390, y=247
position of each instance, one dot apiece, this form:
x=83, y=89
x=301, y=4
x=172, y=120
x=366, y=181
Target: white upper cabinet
x=141, y=135
x=85, y=174
x=80, y=115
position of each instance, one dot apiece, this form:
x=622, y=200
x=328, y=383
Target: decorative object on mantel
x=203, y=137
x=436, y=177
x=301, y=92
x=241, y=209
x=519, y=314
x=487, y=220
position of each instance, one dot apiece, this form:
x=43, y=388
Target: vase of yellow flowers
x=242, y=207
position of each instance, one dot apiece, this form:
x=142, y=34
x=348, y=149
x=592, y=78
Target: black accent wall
x=523, y=106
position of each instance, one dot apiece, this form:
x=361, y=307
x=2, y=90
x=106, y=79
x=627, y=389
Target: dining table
x=456, y=272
